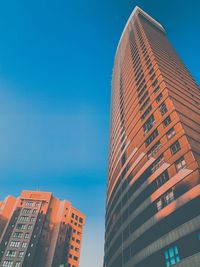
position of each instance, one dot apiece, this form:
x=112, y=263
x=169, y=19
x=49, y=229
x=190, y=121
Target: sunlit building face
x=153, y=215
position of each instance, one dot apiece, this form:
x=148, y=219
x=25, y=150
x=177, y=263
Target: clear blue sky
x=56, y=61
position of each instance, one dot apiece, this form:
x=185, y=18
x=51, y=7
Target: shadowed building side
x=153, y=190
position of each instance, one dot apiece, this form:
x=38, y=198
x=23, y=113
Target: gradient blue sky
x=56, y=62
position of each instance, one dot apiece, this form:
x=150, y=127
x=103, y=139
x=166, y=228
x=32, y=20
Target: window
x=21, y=226
x=175, y=147
x=75, y=258
x=148, y=124
x=37, y=204
x=143, y=97
x=23, y=219
x=17, y=234
x=148, y=110
x=76, y=249
x=78, y=241
x=154, y=83
x=159, y=97
x=198, y=237
x=172, y=256
x=30, y=227
x=34, y=211
x=165, y=199
x=171, y=133
x=11, y=253
x=29, y=203
x=160, y=180
x=151, y=71
x=26, y=236
x=180, y=164
x=24, y=244
x=145, y=104
x=14, y=244
x=151, y=137
x=17, y=264
x=26, y=211
x=142, y=91
x=152, y=77
x=167, y=121
x=32, y=219
x=157, y=89
x=157, y=163
x=163, y=109
x=21, y=253
x=7, y=264
x=154, y=150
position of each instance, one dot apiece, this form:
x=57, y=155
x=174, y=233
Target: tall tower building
x=153, y=202
x=38, y=230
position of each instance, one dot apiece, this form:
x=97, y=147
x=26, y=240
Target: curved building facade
x=153, y=190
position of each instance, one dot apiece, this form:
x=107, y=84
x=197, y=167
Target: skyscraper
x=37, y=229
x=153, y=214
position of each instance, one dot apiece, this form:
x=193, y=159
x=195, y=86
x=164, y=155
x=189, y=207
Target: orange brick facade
x=153, y=190
x=37, y=229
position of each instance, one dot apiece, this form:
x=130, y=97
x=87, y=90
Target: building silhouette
x=37, y=229
x=153, y=203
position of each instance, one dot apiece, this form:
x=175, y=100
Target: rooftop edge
x=135, y=12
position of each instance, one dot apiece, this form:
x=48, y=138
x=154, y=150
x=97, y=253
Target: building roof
x=137, y=10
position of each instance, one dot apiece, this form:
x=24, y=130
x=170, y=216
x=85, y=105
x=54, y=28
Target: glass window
x=159, y=97
x=29, y=203
x=172, y=256
x=165, y=199
x=32, y=219
x=30, y=227
x=26, y=236
x=18, y=234
x=157, y=89
x=154, y=83
x=163, y=109
x=148, y=110
x=145, y=104
x=148, y=124
x=21, y=253
x=154, y=150
x=167, y=121
x=24, y=244
x=162, y=179
x=151, y=137
x=11, y=253
x=24, y=219
x=180, y=164
x=144, y=97
x=157, y=163
x=7, y=264
x=175, y=147
x=21, y=226
x=14, y=244
x=171, y=133
x=153, y=77
x=18, y=264
x=199, y=237
x=26, y=211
